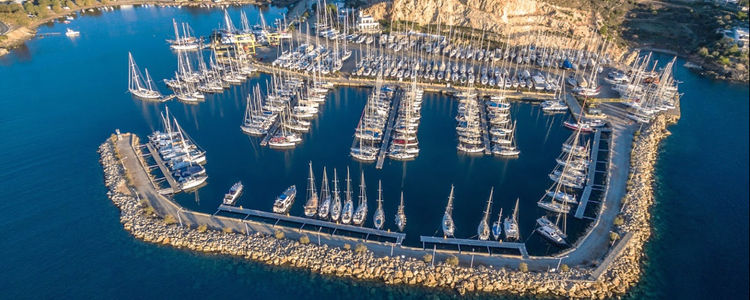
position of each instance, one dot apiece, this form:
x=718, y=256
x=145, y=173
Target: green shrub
x=523, y=267
x=613, y=236
x=360, y=249
x=452, y=260
x=169, y=219
x=564, y=268
x=304, y=240
x=619, y=220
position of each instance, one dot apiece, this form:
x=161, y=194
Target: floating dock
x=591, y=175
x=485, y=128
x=175, y=187
x=388, y=129
x=521, y=247
x=368, y=232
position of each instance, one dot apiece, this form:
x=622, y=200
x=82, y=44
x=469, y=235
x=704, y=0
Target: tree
x=427, y=258
x=202, y=228
x=279, y=234
x=228, y=229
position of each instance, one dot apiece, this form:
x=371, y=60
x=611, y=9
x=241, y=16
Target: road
x=4, y=28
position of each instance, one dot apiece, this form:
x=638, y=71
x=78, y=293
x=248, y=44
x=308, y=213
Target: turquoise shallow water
x=60, y=98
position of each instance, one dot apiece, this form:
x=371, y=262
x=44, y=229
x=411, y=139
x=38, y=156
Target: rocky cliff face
x=523, y=20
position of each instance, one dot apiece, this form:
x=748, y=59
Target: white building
x=740, y=37
x=367, y=24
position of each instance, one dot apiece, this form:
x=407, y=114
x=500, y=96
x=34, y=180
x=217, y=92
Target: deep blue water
x=61, y=98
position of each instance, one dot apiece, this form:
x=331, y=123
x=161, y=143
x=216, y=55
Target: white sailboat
x=325, y=197
x=311, y=206
x=139, y=86
x=361, y=213
x=400, y=215
x=336, y=205
x=448, y=225
x=379, y=218
x=348, y=210
x=483, y=230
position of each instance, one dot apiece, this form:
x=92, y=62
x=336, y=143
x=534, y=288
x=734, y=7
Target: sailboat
x=510, y=225
x=497, y=226
x=311, y=206
x=379, y=218
x=346, y=215
x=400, y=215
x=140, y=87
x=484, y=229
x=336, y=205
x=448, y=226
x=361, y=213
x=325, y=197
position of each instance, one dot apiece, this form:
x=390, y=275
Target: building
x=739, y=36
x=367, y=24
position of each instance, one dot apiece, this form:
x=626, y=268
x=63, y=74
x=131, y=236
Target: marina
x=652, y=195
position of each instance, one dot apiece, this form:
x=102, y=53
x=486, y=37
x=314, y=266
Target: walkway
x=485, y=127
x=521, y=247
x=164, y=170
x=398, y=237
x=388, y=129
x=591, y=175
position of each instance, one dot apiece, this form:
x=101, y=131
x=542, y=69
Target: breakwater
x=620, y=270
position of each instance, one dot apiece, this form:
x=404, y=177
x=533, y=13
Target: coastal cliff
x=522, y=20
x=356, y=262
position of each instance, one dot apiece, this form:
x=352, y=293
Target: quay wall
x=146, y=215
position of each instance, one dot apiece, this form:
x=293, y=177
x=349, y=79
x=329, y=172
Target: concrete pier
x=173, y=184
x=389, y=129
x=485, y=127
x=590, y=176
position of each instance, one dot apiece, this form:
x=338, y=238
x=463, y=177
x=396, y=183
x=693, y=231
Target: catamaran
x=139, y=86
x=379, y=218
x=510, y=225
x=400, y=215
x=336, y=205
x=325, y=197
x=448, y=226
x=311, y=206
x=348, y=210
x=284, y=202
x=483, y=230
x=361, y=213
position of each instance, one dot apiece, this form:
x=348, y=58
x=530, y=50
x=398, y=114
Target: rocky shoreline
x=358, y=263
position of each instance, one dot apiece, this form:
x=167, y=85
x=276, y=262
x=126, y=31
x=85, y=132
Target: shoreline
x=620, y=274
x=19, y=35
